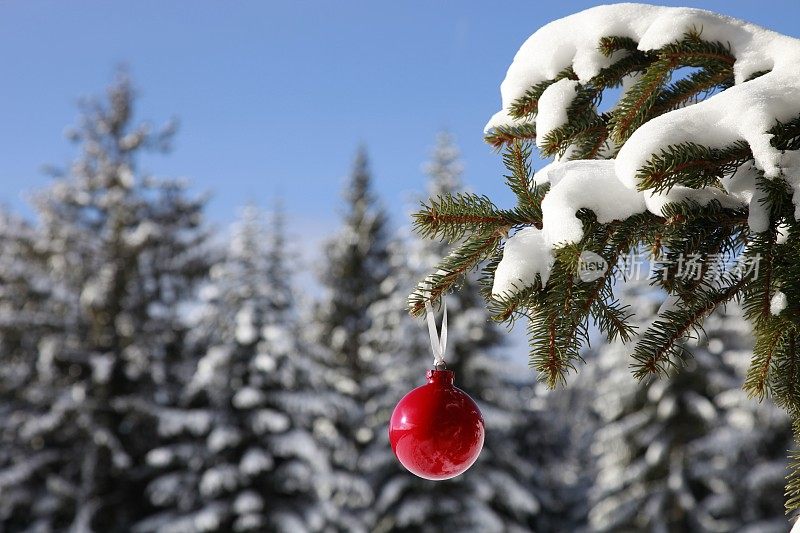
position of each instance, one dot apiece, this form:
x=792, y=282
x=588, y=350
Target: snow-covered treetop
x=743, y=113
x=766, y=71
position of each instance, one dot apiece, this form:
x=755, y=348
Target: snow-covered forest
x=156, y=376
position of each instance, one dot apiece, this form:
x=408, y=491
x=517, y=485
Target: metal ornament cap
x=437, y=430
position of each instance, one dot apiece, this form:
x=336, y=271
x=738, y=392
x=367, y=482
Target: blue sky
x=274, y=97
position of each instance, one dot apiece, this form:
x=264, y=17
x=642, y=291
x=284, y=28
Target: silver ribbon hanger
x=438, y=342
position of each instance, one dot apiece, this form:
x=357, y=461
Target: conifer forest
x=623, y=317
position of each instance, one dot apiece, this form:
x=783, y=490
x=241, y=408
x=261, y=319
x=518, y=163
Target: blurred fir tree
x=26, y=301
x=122, y=251
x=507, y=488
x=692, y=453
x=238, y=453
x=25, y=292
x=356, y=266
x=398, y=350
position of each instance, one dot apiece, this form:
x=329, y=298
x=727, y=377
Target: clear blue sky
x=273, y=97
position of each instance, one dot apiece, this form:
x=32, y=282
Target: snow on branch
x=736, y=125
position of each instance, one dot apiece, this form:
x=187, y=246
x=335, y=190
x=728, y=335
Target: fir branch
x=694, y=51
x=677, y=214
x=695, y=230
x=517, y=160
x=451, y=217
x=503, y=308
x=588, y=143
x=692, y=165
x=793, y=478
x=695, y=87
x=758, y=293
x=555, y=335
x=716, y=52
x=612, y=319
x=563, y=138
x=779, y=197
x=614, y=43
x=633, y=108
x=786, y=386
x=581, y=120
x=768, y=344
x=658, y=349
x=556, y=360
x=638, y=228
x=786, y=135
x=609, y=318
x=521, y=182
x=566, y=306
x=550, y=355
x=612, y=75
x=774, y=364
x=502, y=135
x=528, y=104
x=454, y=267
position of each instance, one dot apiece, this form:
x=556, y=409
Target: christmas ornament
x=437, y=430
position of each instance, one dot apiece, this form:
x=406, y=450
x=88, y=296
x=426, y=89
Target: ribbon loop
x=438, y=342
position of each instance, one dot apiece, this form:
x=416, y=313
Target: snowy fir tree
x=397, y=348
x=26, y=303
x=238, y=453
x=692, y=453
x=504, y=490
x=25, y=294
x=121, y=251
x=357, y=271
x=696, y=160
x=747, y=451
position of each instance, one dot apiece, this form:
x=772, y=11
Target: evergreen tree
x=357, y=264
x=747, y=450
x=24, y=293
x=25, y=299
x=697, y=161
x=398, y=350
x=122, y=251
x=503, y=490
x=691, y=453
x=239, y=452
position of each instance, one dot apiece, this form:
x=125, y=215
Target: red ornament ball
x=437, y=430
